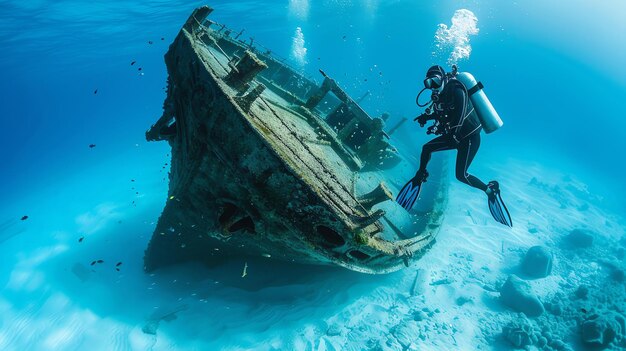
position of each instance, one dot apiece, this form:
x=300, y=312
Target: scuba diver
x=460, y=110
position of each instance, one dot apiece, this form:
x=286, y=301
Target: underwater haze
x=82, y=81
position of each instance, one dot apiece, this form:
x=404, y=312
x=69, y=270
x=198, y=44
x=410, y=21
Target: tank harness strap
x=475, y=88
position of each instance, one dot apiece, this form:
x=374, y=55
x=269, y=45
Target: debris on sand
x=443, y=281
x=245, y=270
x=152, y=324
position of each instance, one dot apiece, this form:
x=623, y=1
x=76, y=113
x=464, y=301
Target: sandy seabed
x=55, y=294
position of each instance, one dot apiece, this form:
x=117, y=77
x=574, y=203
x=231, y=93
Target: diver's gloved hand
x=422, y=119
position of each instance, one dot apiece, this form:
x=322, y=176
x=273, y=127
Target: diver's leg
x=440, y=143
x=411, y=190
x=467, y=149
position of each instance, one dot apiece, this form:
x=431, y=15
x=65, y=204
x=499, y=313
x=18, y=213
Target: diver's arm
x=457, y=114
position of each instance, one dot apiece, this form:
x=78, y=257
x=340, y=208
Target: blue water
x=556, y=79
x=554, y=71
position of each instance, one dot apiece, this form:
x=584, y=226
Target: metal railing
x=225, y=32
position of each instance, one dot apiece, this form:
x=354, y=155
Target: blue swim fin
x=496, y=206
x=411, y=191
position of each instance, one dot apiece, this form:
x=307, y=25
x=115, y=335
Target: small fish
x=150, y=42
x=139, y=69
x=95, y=92
x=132, y=180
x=583, y=310
x=80, y=240
x=132, y=63
x=162, y=38
x=118, y=264
x=344, y=37
x=24, y=218
x=117, y=269
x=91, y=146
x=100, y=261
x=93, y=262
x=245, y=270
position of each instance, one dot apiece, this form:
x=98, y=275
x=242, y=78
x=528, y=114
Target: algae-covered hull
x=267, y=162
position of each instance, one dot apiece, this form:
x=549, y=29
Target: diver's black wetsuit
x=463, y=134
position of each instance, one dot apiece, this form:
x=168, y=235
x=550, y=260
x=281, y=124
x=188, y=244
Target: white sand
x=52, y=298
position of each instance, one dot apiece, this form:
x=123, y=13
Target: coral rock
x=333, y=330
x=600, y=331
x=542, y=342
x=578, y=238
x=519, y=332
x=405, y=333
x=538, y=262
x=618, y=275
x=582, y=292
x=518, y=295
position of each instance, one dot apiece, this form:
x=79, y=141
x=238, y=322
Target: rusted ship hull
x=256, y=169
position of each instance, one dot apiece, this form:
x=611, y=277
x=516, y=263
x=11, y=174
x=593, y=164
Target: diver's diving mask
x=433, y=82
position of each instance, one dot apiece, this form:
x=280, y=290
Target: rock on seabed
x=578, y=239
x=600, y=331
x=518, y=295
x=538, y=262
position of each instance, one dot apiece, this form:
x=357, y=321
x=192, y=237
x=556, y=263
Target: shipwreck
x=267, y=162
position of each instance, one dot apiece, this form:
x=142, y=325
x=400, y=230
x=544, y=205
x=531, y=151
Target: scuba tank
x=484, y=109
